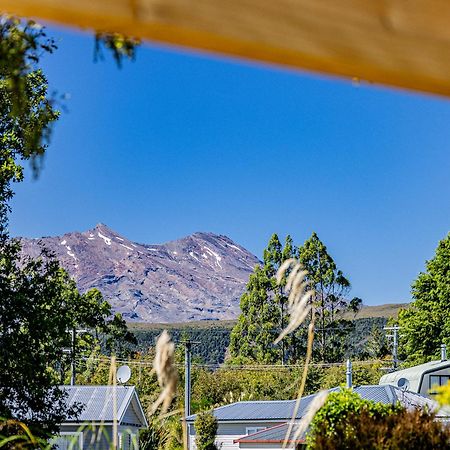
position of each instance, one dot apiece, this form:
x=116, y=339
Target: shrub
x=205, y=429
x=347, y=421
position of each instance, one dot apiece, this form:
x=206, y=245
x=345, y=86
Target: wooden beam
x=404, y=43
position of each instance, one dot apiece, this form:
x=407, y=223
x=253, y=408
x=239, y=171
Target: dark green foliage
x=214, y=339
x=377, y=345
x=348, y=422
x=263, y=313
x=121, y=46
x=330, y=299
x=205, y=431
x=26, y=112
x=426, y=322
x=35, y=314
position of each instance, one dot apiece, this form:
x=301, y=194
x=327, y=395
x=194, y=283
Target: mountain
x=199, y=277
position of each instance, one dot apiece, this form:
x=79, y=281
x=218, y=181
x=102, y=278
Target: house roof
x=271, y=435
x=99, y=405
x=414, y=374
x=282, y=410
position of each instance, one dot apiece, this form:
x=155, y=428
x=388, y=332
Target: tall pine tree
x=330, y=300
x=263, y=313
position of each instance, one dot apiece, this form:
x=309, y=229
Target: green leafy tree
x=262, y=310
x=26, y=110
x=34, y=320
x=39, y=302
x=425, y=324
x=205, y=431
x=331, y=290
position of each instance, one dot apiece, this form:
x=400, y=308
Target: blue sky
x=176, y=142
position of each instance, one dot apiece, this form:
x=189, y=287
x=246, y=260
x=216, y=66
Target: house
x=420, y=379
x=260, y=424
x=93, y=428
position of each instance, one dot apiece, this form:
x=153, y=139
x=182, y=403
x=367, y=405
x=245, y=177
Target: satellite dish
x=123, y=374
x=403, y=384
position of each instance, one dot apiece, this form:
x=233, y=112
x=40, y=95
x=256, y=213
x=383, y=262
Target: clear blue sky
x=175, y=143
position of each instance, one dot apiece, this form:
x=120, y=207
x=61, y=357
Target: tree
x=205, y=429
x=331, y=288
x=26, y=110
x=34, y=320
x=39, y=302
x=262, y=310
x=425, y=324
x=377, y=345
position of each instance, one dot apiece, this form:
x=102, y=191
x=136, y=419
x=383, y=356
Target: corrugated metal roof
x=274, y=434
x=283, y=410
x=413, y=374
x=98, y=401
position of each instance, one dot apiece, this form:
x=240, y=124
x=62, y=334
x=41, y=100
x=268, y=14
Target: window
x=251, y=430
x=68, y=440
x=127, y=440
x=439, y=380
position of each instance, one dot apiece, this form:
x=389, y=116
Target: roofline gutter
x=268, y=441
x=281, y=420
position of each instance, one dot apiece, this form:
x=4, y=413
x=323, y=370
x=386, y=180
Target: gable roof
x=276, y=434
x=99, y=405
x=282, y=410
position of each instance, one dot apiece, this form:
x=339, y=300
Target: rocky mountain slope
x=199, y=277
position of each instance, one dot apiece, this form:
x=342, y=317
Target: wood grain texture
x=403, y=43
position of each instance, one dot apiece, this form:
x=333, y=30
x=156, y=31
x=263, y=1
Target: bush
x=205, y=429
x=347, y=421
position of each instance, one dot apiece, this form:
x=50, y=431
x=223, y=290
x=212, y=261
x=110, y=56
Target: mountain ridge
x=198, y=277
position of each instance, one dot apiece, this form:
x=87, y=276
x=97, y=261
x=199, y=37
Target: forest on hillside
x=214, y=338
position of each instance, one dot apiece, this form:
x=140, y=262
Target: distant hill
x=198, y=277
x=388, y=310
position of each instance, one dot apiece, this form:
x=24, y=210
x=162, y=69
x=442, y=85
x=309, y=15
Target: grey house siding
x=100, y=437
x=228, y=432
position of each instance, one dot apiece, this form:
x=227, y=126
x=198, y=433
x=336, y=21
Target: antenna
x=123, y=374
x=403, y=384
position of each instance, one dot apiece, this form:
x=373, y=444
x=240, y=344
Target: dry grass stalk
x=299, y=300
x=166, y=372
x=303, y=381
x=315, y=405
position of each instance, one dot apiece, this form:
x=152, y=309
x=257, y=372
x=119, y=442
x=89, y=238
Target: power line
x=106, y=359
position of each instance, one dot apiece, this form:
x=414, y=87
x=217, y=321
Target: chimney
x=349, y=373
x=443, y=352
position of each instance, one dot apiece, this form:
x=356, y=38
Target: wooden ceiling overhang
x=401, y=43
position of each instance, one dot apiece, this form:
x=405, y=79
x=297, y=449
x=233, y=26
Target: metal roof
x=414, y=374
x=274, y=434
x=98, y=402
x=281, y=410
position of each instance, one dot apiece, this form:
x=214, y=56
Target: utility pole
x=73, y=370
x=187, y=375
x=395, y=337
x=73, y=366
x=187, y=378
